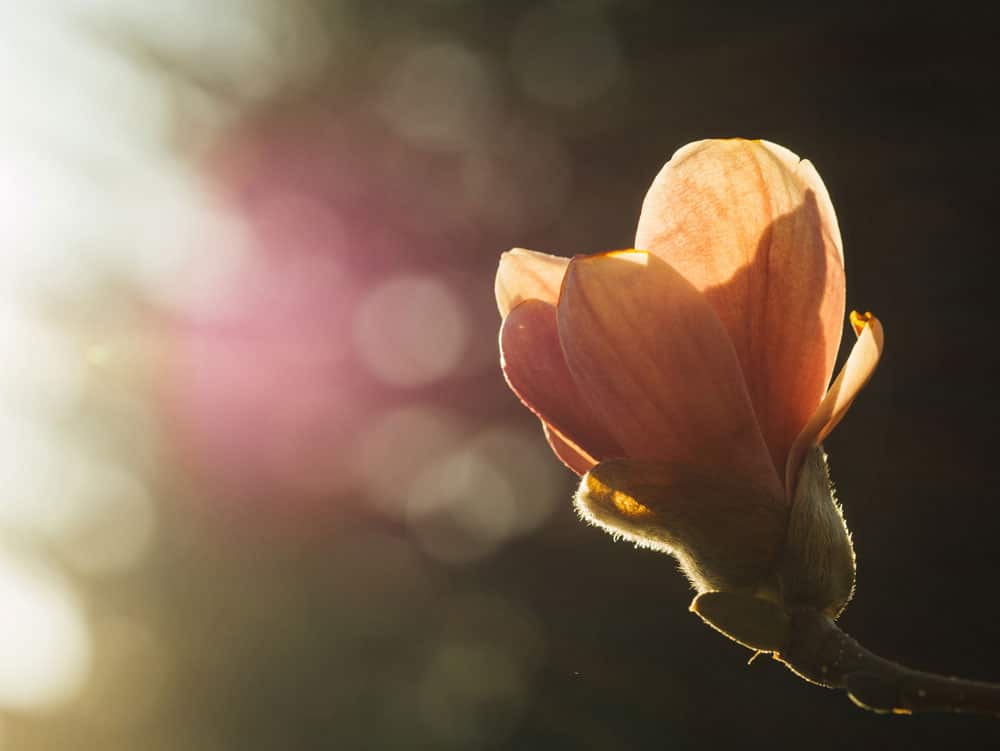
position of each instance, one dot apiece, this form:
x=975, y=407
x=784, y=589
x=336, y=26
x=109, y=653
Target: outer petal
x=656, y=366
x=533, y=363
x=853, y=376
x=528, y=275
x=572, y=456
x=752, y=226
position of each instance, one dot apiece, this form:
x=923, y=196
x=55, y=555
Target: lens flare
x=45, y=649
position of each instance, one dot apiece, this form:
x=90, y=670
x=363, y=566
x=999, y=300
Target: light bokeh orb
x=461, y=507
x=440, y=97
x=411, y=330
x=388, y=454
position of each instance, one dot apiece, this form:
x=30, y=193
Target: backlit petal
x=853, y=376
x=656, y=366
x=572, y=456
x=533, y=363
x=752, y=226
x=528, y=275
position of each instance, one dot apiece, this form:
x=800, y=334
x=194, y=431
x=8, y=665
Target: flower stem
x=820, y=652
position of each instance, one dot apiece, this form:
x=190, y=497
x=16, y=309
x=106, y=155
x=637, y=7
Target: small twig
x=820, y=652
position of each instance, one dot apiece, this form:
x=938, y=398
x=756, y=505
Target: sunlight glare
x=45, y=646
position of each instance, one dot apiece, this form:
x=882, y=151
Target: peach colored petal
x=852, y=378
x=654, y=363
x=752, y=226
x=528, y=275
x=572, y=456
x=533, y=363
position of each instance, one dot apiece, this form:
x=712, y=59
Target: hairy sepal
x=818, y=568
x=725, y=533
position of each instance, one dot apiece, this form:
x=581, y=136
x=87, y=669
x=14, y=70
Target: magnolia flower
x=687, y=381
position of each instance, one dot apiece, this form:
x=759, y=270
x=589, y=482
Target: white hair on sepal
x=725, y=534
x=818, y=567
x=591, y=514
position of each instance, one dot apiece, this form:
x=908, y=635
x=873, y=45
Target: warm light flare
x=45, y=649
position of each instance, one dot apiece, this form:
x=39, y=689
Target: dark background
x=311, y=630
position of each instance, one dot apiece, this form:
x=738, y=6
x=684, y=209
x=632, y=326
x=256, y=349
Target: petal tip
x=524, y=274
x=860, y=320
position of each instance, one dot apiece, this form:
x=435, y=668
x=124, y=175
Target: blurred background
x=263, y=486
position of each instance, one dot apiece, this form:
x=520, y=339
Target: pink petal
x=533, y=363
x=853, y=376
x=656, y=366
x=572, y=456
x=528, y=275
x=752, y=226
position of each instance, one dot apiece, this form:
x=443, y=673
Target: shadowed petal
x=528, y=275
x=752, y=226
x=656, y=366
x=852, y=378
x=533, y=363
